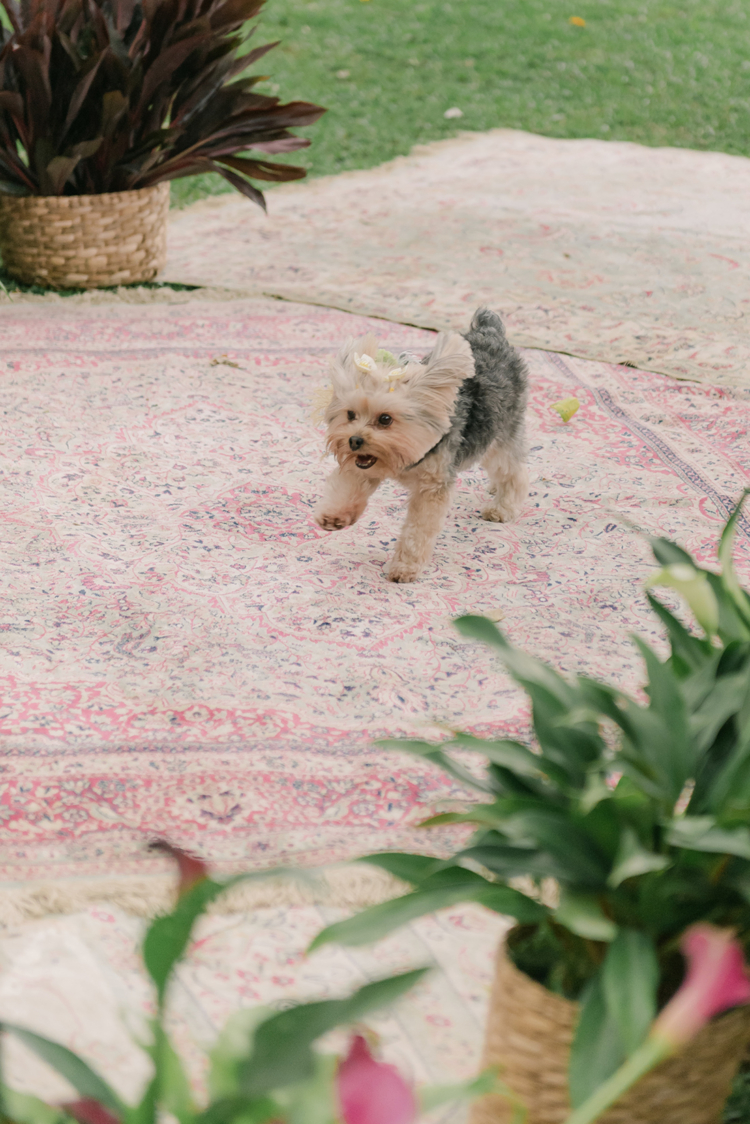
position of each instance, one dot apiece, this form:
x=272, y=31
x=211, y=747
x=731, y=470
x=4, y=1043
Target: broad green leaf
x=728, y=574
x=635, y=807
x=727, y=696
x=597, y=1049
x=282, y=1053
x=697, y=687
x=504, y=782
x=742, y=885
x=314, y=1101
x=582, y=914
x=409, y=868
x=524, y=668
x=667, y=553
x=693, y=585
x=379, y=920
x=174, y=1093
x=630, y=976
x=22, y=1108
x=732, y=624
x=606, y=701
x=670, y=752
x=566, y=743
x=511, y=754
x=594, y=792
x=733, y=779
x=234, y=1044
x=650, y=755
x=699, y=833
x=145, y=1111
x=485, y=815
x=240, y=1110
x=509, y=862
x=693, y=650
x=437, y=755
x=510, y=903
x=576, y=853
x=79, y=1073
x=633, y=859
x=168, y=936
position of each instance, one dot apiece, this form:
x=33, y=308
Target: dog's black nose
x=356, y=443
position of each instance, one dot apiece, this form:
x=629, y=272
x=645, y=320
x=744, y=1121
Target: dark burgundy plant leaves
x=113, y=95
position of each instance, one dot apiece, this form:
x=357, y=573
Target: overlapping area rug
x=434, y=1035
x=601, y=249
x=184, y=652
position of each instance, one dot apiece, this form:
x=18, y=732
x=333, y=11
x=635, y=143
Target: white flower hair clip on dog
x=368, y=365
x=365, y=363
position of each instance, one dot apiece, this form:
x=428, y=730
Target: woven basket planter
x=529, y=1032
x=85, y=241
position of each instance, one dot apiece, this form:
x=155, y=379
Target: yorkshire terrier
x=420, y=422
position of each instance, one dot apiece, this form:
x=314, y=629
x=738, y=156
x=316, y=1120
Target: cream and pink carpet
x=595, y=248
x=434, y=1035
x=186, y=653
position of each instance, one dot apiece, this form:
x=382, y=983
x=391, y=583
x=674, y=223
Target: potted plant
x=263, y=1068
x=637, y=815
x=102, y=102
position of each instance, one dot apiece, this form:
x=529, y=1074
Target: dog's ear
x=432, y=385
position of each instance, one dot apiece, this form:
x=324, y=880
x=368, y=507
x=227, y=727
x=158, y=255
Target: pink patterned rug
x=185, y=652
x=434, y=1034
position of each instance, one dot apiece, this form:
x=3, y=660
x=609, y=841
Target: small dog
x=420, y=423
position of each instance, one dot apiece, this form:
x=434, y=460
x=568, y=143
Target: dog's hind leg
x=344, y=498
x=508, y=481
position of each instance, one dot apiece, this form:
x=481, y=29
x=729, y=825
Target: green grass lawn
x=660, y=73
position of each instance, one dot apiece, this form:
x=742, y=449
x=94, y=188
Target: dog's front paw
x=335, y=520
x=499, y=513
x=400, y=571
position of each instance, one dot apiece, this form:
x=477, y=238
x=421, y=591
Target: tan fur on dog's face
x=398, y=418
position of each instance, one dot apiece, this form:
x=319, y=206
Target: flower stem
x=654, y=1050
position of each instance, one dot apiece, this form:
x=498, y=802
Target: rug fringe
x=351, y=887
x=126, y=295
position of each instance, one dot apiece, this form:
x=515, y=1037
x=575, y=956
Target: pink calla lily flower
x=191, y=869
x=371, y=1092
x=716, y=980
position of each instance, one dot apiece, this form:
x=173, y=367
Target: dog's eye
x=351, y=415
x=385, y=420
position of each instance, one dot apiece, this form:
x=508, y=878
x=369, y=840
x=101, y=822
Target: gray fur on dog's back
x=490, y=406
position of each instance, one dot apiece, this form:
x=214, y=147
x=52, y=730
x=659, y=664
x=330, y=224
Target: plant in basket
x=264, y=1067
x=644, y=834
x=102, y=97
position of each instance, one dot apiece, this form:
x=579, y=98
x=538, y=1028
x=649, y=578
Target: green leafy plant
x=264, y=1066
x=112, y=95
x=643, y=838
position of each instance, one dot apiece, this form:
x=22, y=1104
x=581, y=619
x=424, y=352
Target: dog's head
x=384, y=414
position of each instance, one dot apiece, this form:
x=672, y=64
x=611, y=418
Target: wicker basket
x=529, y=1031
x=85, y=241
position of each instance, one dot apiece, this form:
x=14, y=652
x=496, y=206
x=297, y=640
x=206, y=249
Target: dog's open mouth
x=365, y=462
